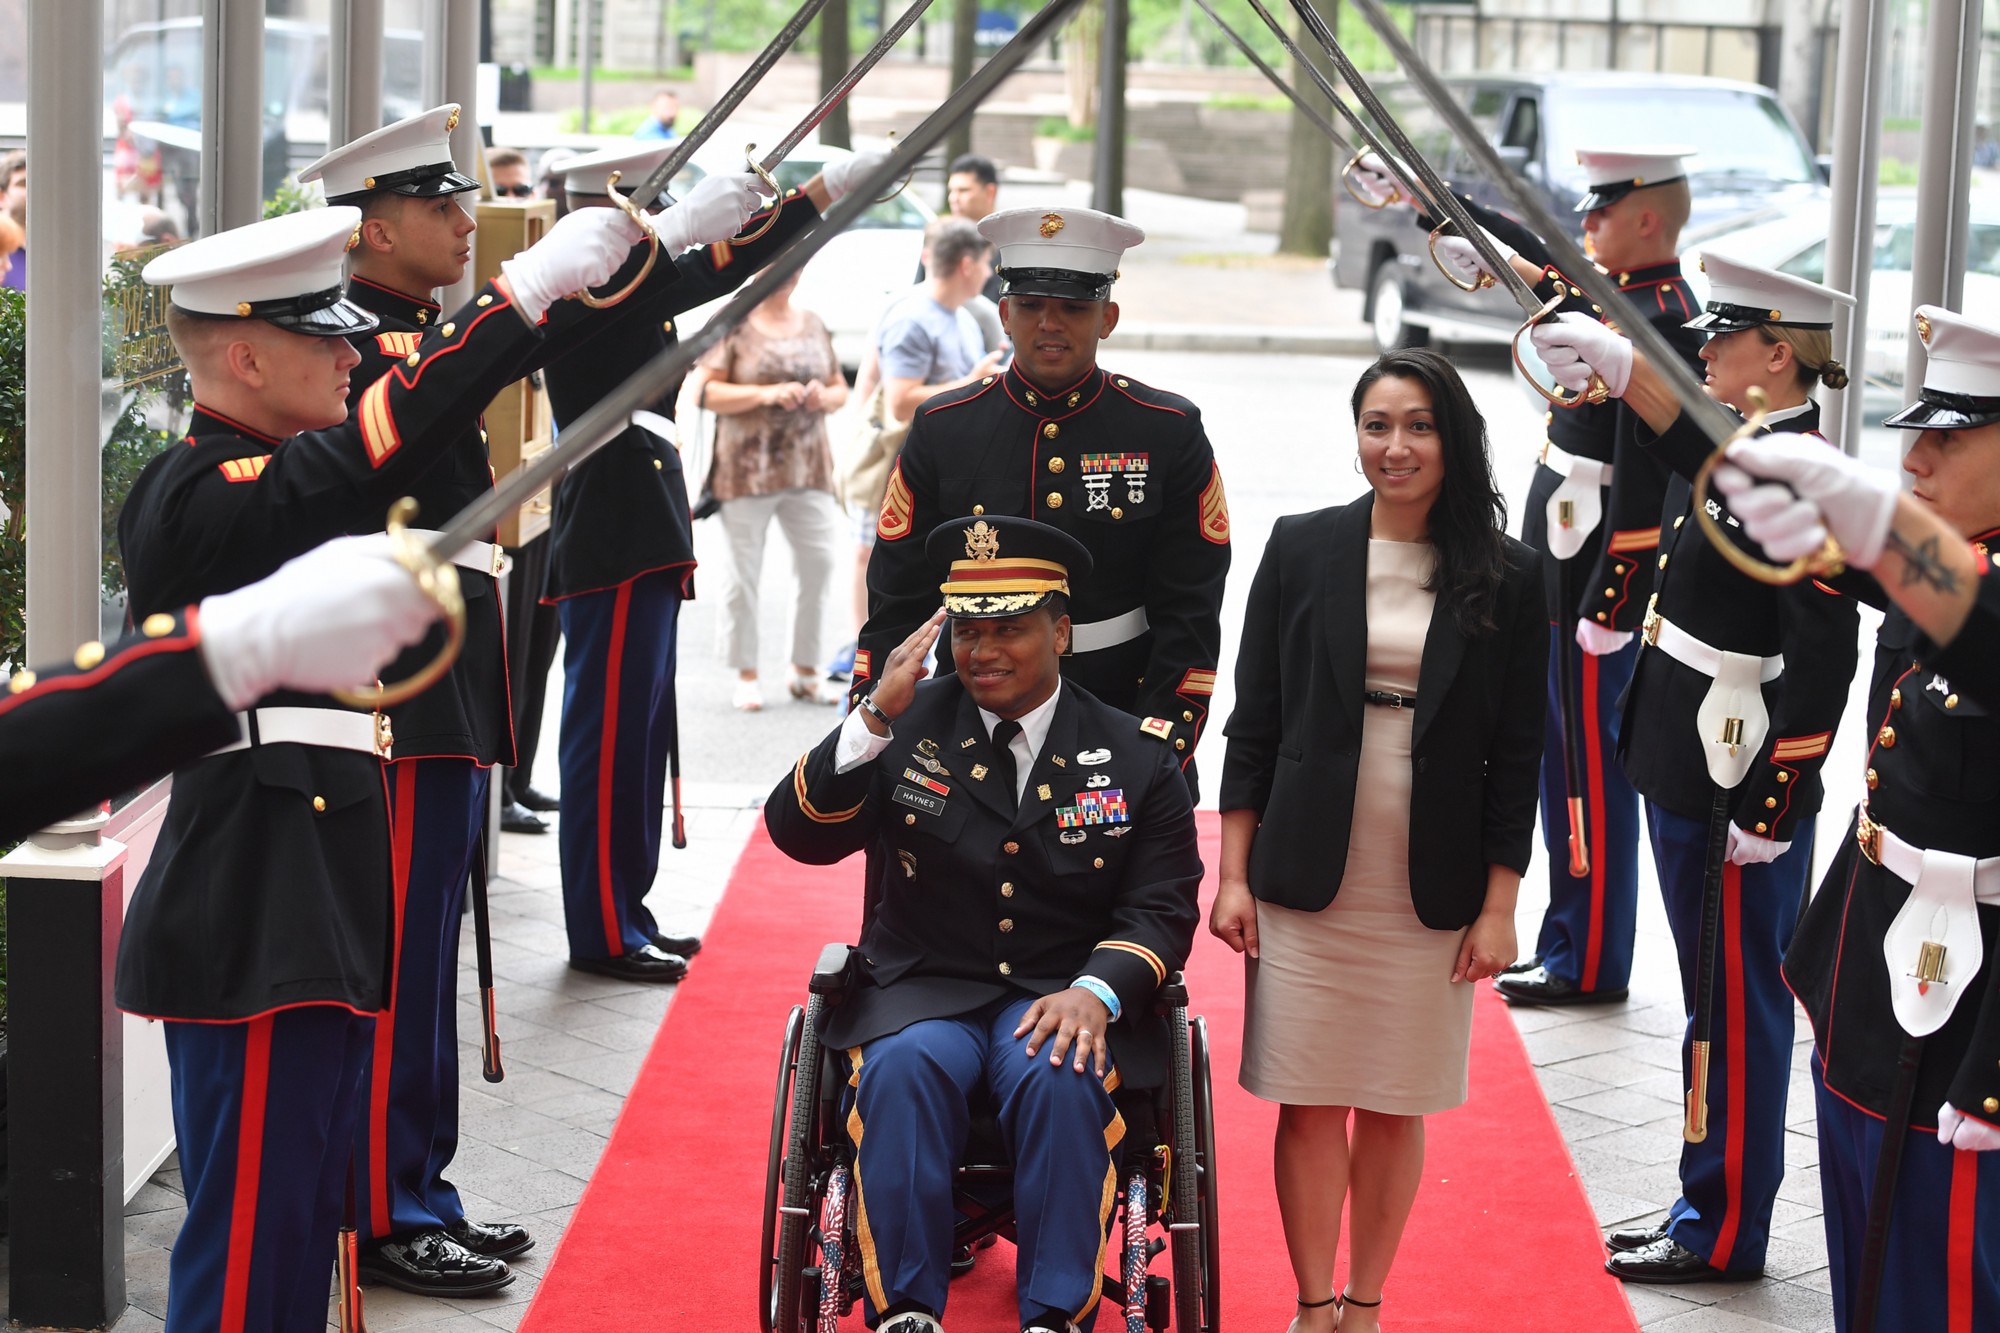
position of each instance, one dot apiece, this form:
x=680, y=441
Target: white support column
x=461, y=76
x=354, y=75
x=1944, y=165
x=232, y=113
x=1850, y=241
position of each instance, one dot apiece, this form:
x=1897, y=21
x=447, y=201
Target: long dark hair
x=1468, y=519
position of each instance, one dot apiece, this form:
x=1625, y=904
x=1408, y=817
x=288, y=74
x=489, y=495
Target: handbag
x=863, y=472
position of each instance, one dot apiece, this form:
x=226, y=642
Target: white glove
x=1461, y=255
x=714, y=210
x=1823, y=489
x=583, y=249
x=1371, y=178
x=1747, y=849
x=841, y=176
x=1598, y=641
x=1960, y=1131
x=1575, y=346
x=332, y=617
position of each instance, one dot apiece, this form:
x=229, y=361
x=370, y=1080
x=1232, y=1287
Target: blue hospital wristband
x=1101, y=991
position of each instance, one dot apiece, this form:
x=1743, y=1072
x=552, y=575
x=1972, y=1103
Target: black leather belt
x=1390, y=699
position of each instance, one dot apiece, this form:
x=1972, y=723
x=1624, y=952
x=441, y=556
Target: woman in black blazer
x=1378, y=807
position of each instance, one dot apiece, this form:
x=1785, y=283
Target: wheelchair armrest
x=830, y=974
x=1172, y=992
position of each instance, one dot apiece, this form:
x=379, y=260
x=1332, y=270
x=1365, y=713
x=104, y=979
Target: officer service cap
x=1961, y=374
x=1613, y=173
x=289, y=270
x=412, y=156
x=591, y=173
x=1742, y=296
x=1071, y=253
x=994, y=567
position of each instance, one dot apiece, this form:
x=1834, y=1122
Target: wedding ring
x=1083, y=1032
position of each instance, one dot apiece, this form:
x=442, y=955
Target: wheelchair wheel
x=768, y=1268
x=795, y=1211
x=1210, y=1211
x=1196, y=1244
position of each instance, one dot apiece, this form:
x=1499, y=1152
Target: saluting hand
x=1072, y=1017
x=898, y=684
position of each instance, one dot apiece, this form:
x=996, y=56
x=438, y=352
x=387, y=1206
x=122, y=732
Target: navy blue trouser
x=909, y=1123
x=264, y=1116
x=1730, y=1180
x=617, y=734
x=1586, y=936
x=407, y=1133
x=1941, y=1267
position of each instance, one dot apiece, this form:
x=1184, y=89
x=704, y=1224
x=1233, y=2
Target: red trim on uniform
x=83, y=680
x=355, y=279
x=249, y=1168
x=428, y=356
x=1733, y=1057
x=687, y=566
x=233, y=424
x=402, y=834
x=938, y=402
x=1958, y=1242
x=607, y=759
x=1157, y=407
x=1593, y=761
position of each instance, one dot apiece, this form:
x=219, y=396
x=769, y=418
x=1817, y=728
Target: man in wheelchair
x=1035, y=881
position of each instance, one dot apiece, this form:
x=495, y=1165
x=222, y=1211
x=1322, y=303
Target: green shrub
x=1058, y=127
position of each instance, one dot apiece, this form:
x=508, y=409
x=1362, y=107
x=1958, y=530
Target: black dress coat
x=975, y=900
x=1294, y=751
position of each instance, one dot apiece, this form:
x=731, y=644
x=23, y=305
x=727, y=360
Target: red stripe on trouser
x=402, y=833
x=607, y=759
x=1733, y=1108
x=249, y=1166
x=1593, y=945
x=1958, y=1242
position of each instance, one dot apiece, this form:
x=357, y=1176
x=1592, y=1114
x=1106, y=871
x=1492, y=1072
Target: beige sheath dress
x=1354, y=1005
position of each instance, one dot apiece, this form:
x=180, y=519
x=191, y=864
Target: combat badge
x=1097, y=780
x=1093, y=757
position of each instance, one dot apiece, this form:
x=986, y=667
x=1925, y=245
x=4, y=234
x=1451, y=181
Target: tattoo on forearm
x=1922, y=563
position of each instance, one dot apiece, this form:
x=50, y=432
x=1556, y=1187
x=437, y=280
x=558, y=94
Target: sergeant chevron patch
x=1215, y=509
x=898, y=508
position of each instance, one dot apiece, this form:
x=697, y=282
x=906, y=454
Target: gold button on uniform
x=1006, y=924
x=22, y=680
x=1117, y=512
x=909, y=819
x=987, y=380
x=413, y=358
x=1763, y=827
x=1663, y=562
x=1180, y=744
x=1601, y=616
x=448, y=330
x=1187, y=717
x=1618, y=569
x=1895, y=698
x=1050, y=430
x=667, y=326
x=319, y=803
x=1770, y=803
x=1006, y=969
x=658, y=466
x=1951, y=701
x=1611, y=592
x=1874, y=779
x=977, y=510
x=157, y=625
x=1677, y=522
x=1783, y=777
x=1124, y=384
x=1053, y=500
x=1056, y=465
x=1098, y=863
x=485, y=300
x=1991, y=1104
x=1006, y=890
x=1886, y=738
x=1011, y=848
x=89, y=655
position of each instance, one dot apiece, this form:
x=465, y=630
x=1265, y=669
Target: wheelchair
x=810, y=1264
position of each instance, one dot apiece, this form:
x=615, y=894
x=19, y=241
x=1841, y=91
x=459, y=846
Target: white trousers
x=813, y=526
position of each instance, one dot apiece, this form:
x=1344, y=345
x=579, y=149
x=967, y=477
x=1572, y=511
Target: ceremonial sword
x=430, y=562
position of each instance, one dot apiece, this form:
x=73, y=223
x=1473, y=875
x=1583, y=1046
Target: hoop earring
x=1358, y=470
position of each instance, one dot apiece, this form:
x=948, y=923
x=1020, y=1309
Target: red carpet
x=667, y=1233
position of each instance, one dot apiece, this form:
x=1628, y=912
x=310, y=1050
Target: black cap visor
x=1723, y=317
x=1609, y=193
x=1937, y=410
x=322, y=314
x=1067, y=284
x=427, y=182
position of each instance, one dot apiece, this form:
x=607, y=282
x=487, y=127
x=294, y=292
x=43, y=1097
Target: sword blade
x=1447, y=204
x=727, y=103
x=1311, y=112
x=838, y=93
x=602, y=423
x=1715, y=421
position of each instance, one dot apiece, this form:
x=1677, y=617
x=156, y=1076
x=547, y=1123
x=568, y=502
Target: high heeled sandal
x=1305, y=1304
x=1347, y=1300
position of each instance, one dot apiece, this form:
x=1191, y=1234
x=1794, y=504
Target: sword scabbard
x=1695, y=1127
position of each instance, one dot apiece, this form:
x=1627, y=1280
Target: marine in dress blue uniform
x=1123, y=468
x=1894, y=960
x=262, y=929
x=1594, y=510
x=621, y=563
x=1732, y=708
x=1011, y=875
x=411, y=1221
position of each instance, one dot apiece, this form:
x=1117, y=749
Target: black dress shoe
x=1635, y=1238
x=645, y=963
x=495, y=1240
x=961, y=1261
x=518, y=818
x=1540, y=986
x=687, y=946
x=431, y=1263
x=1528, y=964
x=539, y=800
x=1667, y=1260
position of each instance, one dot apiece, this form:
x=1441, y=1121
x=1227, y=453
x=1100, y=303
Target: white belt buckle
x=1934, y=943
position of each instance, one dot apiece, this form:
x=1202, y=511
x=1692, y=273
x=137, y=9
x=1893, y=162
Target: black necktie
x=1004, y=733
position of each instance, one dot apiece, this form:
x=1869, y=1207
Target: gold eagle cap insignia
x=451, y=121
x=982, y=541
x=1051, y=224
x=1924, y=328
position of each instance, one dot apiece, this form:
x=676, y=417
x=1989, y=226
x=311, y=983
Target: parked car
x=1750, y=155
x=850, y=282
x=1793, y=240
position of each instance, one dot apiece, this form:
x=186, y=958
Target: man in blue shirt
x=666, y=110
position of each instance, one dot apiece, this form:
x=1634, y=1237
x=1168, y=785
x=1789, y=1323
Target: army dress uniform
x=986, y=899
x=1594, y=510
x=1732, y=709
x=621, y=563
x=1894, y=960
x=262, y=928
x=1124, y=468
